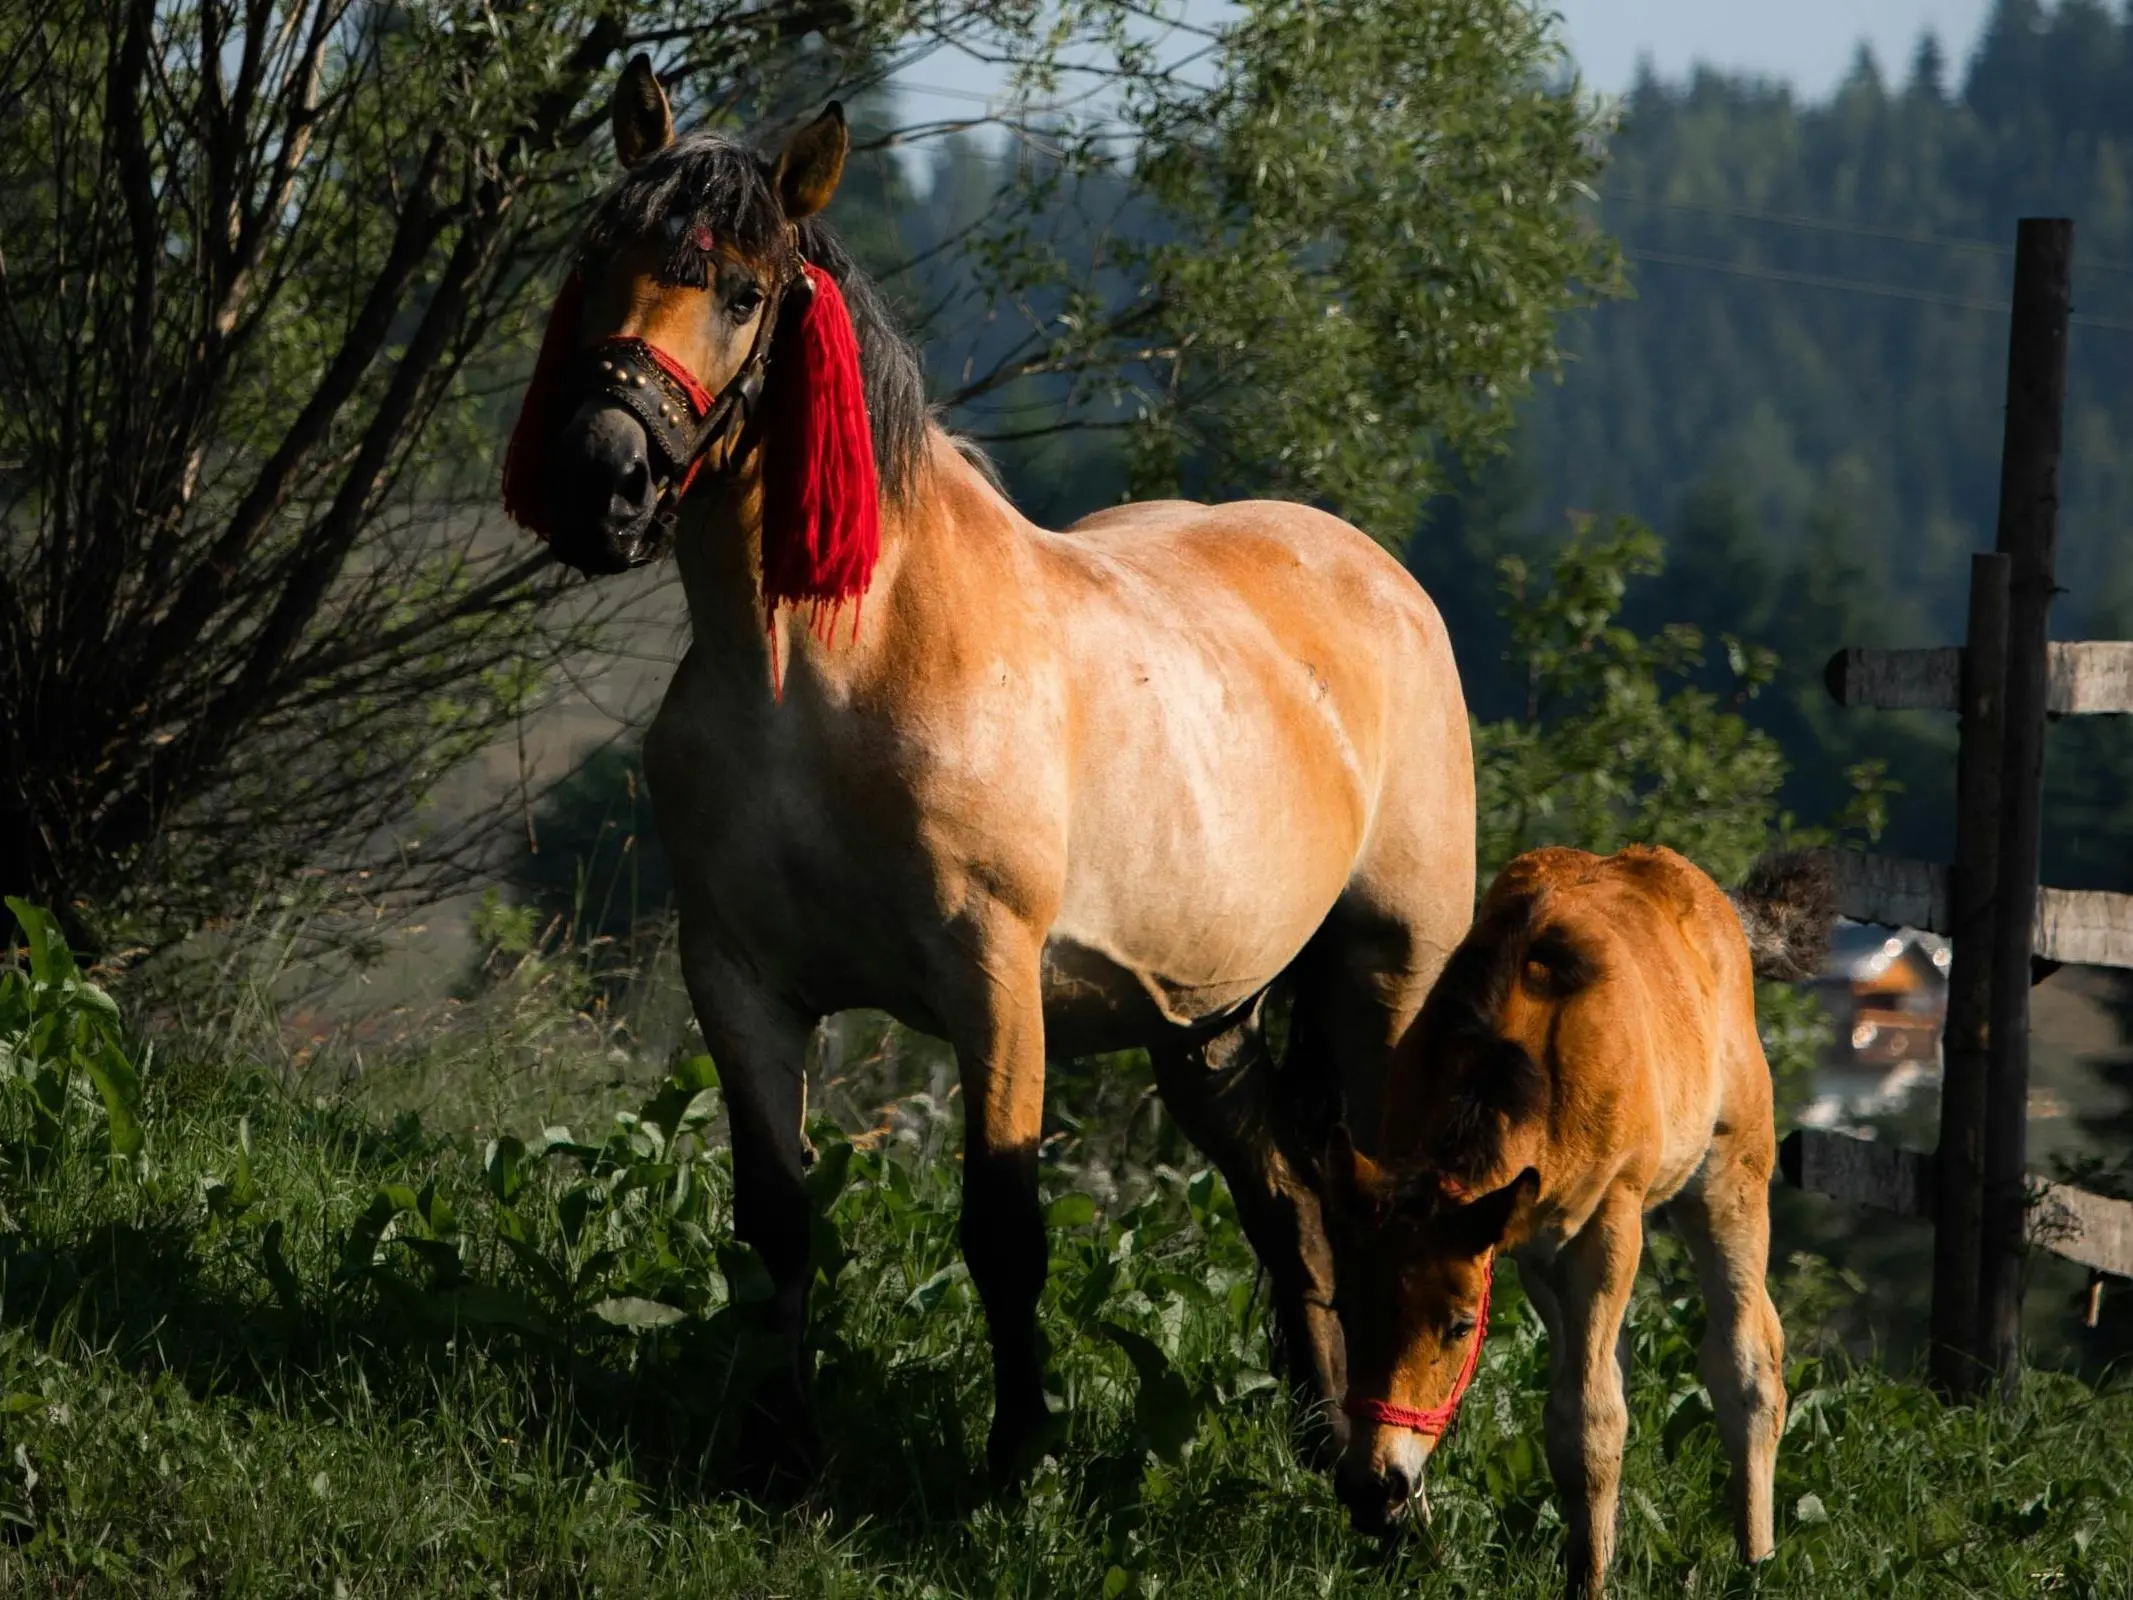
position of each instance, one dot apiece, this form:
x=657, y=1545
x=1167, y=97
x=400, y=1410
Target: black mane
x=702, y=178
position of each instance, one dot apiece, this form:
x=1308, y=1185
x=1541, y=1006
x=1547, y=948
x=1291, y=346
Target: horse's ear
x=811, y=165
x=1502, y=1219
x=644, y=122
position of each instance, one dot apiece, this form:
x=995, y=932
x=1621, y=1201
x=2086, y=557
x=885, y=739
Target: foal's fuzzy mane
x=1493, y=1085
x=702, y=178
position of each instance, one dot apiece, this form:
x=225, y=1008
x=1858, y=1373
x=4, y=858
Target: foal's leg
x=760, y=1046
x=1587, y=1418
x=997, y=1026
x=1224, y=1093
x=1726, y=1219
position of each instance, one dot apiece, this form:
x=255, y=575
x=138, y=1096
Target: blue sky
x=1809, y=43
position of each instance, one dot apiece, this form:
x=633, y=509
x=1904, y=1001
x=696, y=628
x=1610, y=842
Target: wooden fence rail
x=2072, y=926
x=2093, y=678
x=2091, y=1230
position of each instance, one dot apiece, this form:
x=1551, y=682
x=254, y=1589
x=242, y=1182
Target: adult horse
x=1040, y=792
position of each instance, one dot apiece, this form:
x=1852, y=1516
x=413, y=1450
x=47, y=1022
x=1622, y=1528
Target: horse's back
x=1654, y=1048
x=1264, y=550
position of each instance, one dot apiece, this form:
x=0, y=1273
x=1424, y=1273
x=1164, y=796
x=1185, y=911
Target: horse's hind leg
x=1225, y=1093
x=761, y=1050
x=1726, y=1220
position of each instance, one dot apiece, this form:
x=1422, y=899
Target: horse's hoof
x=1020, y=1438
x=779, y=1457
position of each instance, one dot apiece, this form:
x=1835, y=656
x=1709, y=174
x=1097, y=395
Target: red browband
x=1432, y=1420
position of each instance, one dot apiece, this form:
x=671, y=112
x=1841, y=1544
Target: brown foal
x=1589, y=1053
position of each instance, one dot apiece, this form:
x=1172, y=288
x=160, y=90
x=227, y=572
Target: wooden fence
x=2004, y=684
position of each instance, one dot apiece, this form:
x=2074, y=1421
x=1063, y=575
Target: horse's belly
x=1097, y=1000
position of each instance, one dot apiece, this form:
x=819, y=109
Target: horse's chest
x=819, y=861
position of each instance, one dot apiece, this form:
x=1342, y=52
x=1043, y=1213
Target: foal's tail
x=1787, y=905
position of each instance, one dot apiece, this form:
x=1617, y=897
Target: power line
x=1789, y=219
x=1887, y=291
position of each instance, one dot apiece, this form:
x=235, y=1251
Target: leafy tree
x=1338, y=262
x=1605, y=753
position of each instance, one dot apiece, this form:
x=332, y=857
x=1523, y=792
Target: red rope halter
x=1433, y=1420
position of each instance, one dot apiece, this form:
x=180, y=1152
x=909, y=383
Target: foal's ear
x=811, y=165
x=1349, y=1181
x=1502, y=1219
x=644, y=122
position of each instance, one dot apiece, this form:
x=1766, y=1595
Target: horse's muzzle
x=1376, y=1502
x=603, y=486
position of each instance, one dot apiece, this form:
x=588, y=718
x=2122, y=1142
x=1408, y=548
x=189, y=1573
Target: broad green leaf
x=504, y=1164
x=1166, y=1412
x=632, y=1311
x=50, y=959
x=487, y=1305
x=1070, y=1211
x=929, y=1294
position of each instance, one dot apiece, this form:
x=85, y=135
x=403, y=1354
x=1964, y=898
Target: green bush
x=62, y=1049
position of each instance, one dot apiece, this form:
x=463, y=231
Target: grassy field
x=255, y=1343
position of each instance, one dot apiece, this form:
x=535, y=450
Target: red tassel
x=540, y=413
x=821, y=500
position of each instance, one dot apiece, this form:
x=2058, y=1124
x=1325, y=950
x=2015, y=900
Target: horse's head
x=657, y=353
x=1412, y=1257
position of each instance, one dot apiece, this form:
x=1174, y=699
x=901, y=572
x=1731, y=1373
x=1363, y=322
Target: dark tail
x=1787, y=905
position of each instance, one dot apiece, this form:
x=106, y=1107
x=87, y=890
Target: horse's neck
x=719, y=552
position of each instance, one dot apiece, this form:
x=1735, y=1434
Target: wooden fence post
x=2028, y=536
x=1959, y=1175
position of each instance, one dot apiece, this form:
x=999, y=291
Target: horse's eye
x=743, y=305
x=1461, y=1327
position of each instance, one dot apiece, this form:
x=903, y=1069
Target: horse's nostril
x=634, y=489
x=1397, y=1486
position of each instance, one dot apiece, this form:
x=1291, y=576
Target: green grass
x=284, y=1348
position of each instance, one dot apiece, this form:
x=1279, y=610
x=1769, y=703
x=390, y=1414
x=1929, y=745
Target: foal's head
x=1413, y=1254
x=658, y=351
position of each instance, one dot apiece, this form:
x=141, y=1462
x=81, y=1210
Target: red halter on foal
x=1432, y=1420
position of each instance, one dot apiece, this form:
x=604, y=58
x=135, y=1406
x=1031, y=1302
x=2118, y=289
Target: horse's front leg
x=1586, y=1421
x=996, y=1022
x=760, y=1046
